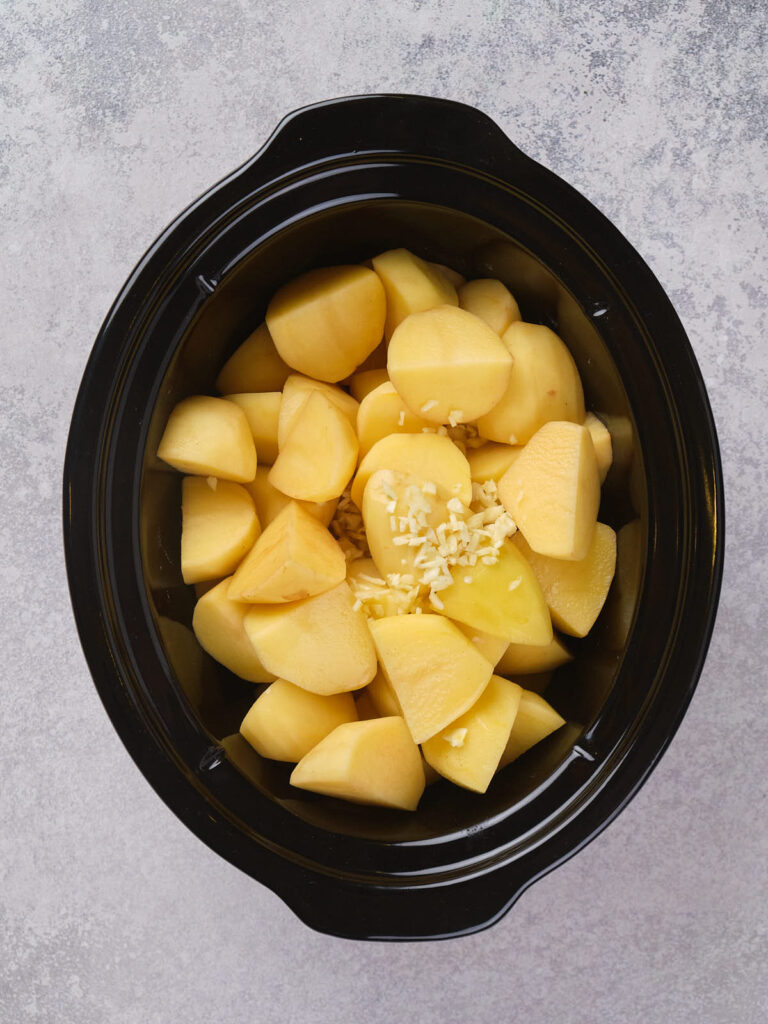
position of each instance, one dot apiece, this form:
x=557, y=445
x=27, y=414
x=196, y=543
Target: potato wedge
x=527, y=659
x=535, y=720
x=429, y=457
x=209, y=437
x=601, y=439
x=363, y=382
x=254, y=366
x=327, y=321
x=219, y=527
x=492, y=301
x=262, y=410
x=217, y=623
x=383, y=412
x=411, y=286
x=491, y=461
x=270, y=502
x=295, y=394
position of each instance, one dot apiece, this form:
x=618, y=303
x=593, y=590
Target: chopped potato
x=327, y=321
x=411, y=286
x=383, y=697
x=383, y=412
x=535, y=720
x=255, y=366
x=575, y=591
x=219, y=526
x=319, y=455
x=491, y=301
x=469, y=750
x=209, y=437
x=295, y=394
x=527, y=659
x=447, y=365
x=543, y=385
x=434, y=670
x=601, y=439
x=295, y=557
x=285, y=722
x=552, y=491
x=218, y=624
x=452, y=276
x=322, y=644
x=270, y=502
x=371, y=762
x=262, y=410
x=429, y=457
x=491, y=647
x=491, y=461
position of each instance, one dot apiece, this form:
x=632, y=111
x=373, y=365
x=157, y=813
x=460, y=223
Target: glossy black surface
x=339, y=182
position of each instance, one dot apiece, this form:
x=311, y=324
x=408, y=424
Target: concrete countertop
x=113, y=117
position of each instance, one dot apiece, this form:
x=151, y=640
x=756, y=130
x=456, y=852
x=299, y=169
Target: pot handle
x=395, y=124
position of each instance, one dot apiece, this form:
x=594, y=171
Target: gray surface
x=113, y=116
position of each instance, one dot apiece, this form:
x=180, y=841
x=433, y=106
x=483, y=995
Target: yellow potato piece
x=429, y=457
x=468, y=752
x=383, y=412
x=209, y=437
x=453, y=277
x=377, y=360
x=270, y=502
x=576, y=591
x=295, y=394
x=319, y=455
x=491, y=301
x=371, y=762
x=262, y=410
x=526, y=659
x=491, y=647
x=364, y=382
x=327, y=321
x=218, y=625
x=295, y=557
x=219, y=526
x=254, y=366
x=434, y=670
x=411, y=285
x=543, y=385
x=491, y=461
x=448, y=365
x=622, y=440
x=503, y=599
x=285, y=722
x=322, y=644
x=387, y=495
x=601, y=439
x=553, y=491
x=535, y=720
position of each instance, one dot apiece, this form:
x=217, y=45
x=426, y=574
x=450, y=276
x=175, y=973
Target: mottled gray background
x=113, y=116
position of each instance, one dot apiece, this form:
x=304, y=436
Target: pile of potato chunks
x=385, y=515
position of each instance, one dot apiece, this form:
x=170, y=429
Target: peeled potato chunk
x=534, y=721
x=363, y=382
x=209, y=437
x=371, y=762
x=503, y=599
x=448, y=365
x=576, y=591
x=468, y=752
x=383, y=697
x=411, y=285
x=327, y=321
x=543, y=385
x=526, y=659
x=601, y=439
x=218, y=625
x=321, y=644
x=434, y=670
x=319, y=455
x=383, y=412
x=262, y=410
x=285, y=722
x=295, y=394
x=254, y=366
x=429, y=457
x=295, y=557
x=219, y=526
x=491, y=461
x=491, y=301
x=491, y=647
x=270, y=502
x=553, y=491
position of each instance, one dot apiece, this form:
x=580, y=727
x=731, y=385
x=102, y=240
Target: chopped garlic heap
x=398, y=594
x=348, y=529
x=468, y=536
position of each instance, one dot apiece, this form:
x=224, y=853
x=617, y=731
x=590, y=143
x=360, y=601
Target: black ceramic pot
x=339, y=182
